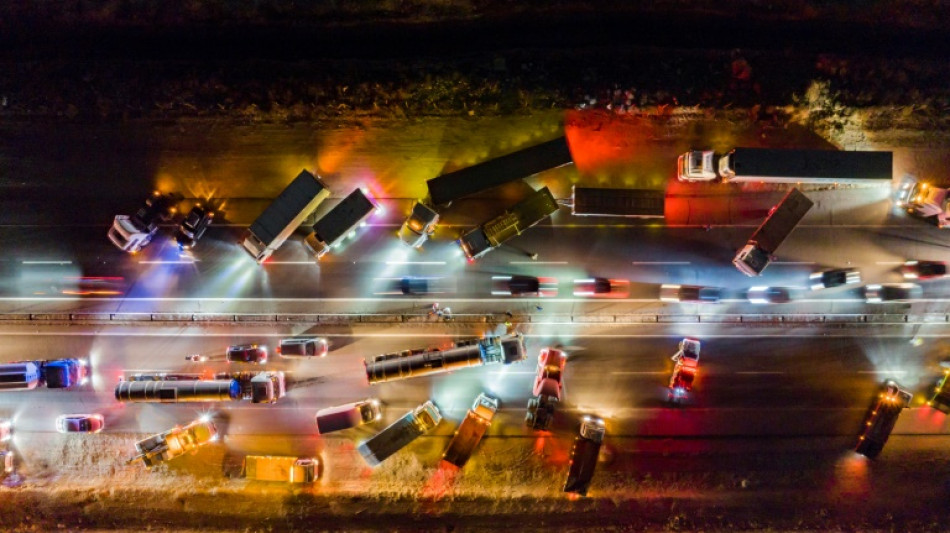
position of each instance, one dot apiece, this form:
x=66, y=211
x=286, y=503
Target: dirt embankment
x=136, y=61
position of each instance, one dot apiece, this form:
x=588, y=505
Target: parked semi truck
x=924, y=200
x=490, y=350
x=286, y=469
x=941, y=398
x=584, y=455
x=686, y=364
x=132, y=233
x=633, y=203
x=54, y=374
x=258, y=387
x=881, y=418
x=339, y=222
x=453, y=186
x=774, y=165
x=490, y=235
x=284, y=215
x=175, y=442
x=752, y=258
x=470, y=432
x=548, y=388
x=400, y=433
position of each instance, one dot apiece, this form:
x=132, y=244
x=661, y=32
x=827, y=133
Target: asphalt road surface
x=769, y=384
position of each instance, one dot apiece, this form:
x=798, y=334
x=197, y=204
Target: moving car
x=314, y=347
x=413, y=285
x=892, y=292
x=193, y=227
x=690, y=293
x=6, y=430
x=547, y=388
x=80, y=423
x=524, y=285
x=924, y=270
x=247, y=353
x=769, y=295
x=829, y=279
x=601, y=287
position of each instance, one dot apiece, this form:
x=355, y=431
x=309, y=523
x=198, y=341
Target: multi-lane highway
x=772, y=377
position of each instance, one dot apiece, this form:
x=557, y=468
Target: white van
x=348, y=416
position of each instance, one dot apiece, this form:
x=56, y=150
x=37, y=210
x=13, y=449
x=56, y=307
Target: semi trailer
x=492, y=234
x=632, y=203
x=470, y=432
x=752, y=258
x=400, y=433
x=505, y=349
x=285, y=469
x=584, y=455
x=775, y=165
x=53, y=374
x=341, y=221
x=175, y=442
x=447, y=188
x=284, y=215
x=258, y=387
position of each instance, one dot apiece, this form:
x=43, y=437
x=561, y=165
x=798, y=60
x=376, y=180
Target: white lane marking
x=415, y=262
x=634, y=373
x=760, y=373
x=511, y=372
x=889, y=262
x=178, y=262
x=660, y=262
x=289, y=263
x=46, y=262
x=538, y=262
x=793, y=263
x=889, y=372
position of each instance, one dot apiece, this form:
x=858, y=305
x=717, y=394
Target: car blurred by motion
x=247, y=353
x=312, y=347
x=769, y=295
x=601, y=287
x=830, y=279
x=892, y=292
x=524, y=285
x=193, y=227
x=924, y=270
x=690, y=293
x=93, y=423
x=91, y=286
x=412, y=285
x=6, y=430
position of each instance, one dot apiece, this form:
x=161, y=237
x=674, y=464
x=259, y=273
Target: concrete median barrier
x=593, y=319
x=720, y=319
x=131, y=317
x=255, y=318
x=172, y=317
x=213, y=317
x=890, y=318
x=380, y=318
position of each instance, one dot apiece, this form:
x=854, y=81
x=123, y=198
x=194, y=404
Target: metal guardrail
x=357, y=318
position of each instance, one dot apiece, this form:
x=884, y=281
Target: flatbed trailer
x=492, y=234
x=633, y=203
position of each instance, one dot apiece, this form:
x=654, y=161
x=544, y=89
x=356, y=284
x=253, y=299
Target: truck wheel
x=529, y=420
x=533, y=404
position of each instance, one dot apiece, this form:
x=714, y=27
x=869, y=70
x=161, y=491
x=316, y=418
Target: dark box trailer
x=636, y=203
x=284, y=215
x=342, y=219
x=532, y=210
x=782, y=220
x=776, y=165
x=449, y=187
x=584, y=455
